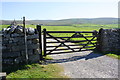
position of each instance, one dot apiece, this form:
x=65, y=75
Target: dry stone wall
x=13, y=45
x=109, y=40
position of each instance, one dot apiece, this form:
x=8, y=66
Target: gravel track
x=86, y=64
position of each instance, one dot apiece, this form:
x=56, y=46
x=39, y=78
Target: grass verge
x=113, y=56
x=38, y=71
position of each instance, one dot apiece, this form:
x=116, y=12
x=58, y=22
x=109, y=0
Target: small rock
x=34, y=58
x=19, y=29
x=30, y=52
x=31, y=31
x=8, y=29
x=36, y=51
x=35, y=41
x=12, y=30
x=35, y=36
x=4, y=29
x=10, y=54
x=14, y=35
x=29, y=42
x=33, y=46
x=8, y=61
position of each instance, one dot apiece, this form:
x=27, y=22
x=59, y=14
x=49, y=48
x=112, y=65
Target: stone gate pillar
x=109, y=40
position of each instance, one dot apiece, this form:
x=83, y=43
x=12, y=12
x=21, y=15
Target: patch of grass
x=38, y=71
x=69, y=28
x=110, y=54
x=3, y=26
x=48, y=57
x=113, y=55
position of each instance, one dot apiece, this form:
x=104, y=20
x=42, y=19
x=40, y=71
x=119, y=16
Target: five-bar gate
x=56, y=42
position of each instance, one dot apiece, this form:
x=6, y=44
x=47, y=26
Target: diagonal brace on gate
x=62, y=43
x=81, y=35
x=89, y=42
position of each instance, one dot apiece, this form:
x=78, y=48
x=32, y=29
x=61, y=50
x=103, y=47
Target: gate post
x=44, y=41
x=40, y=41
x=99, y=45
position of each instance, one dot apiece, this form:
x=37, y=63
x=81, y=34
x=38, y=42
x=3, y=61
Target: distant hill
x=67, y=22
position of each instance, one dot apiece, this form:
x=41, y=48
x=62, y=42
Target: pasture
x=74, y=27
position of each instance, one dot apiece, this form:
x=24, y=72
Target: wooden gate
x=56, y=42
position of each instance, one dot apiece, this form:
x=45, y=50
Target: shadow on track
x=75, y=58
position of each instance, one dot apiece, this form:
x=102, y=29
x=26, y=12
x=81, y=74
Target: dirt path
x=86, y=64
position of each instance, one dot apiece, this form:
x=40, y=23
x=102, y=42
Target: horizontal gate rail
x=71, y=51
x=71, y=41
x=69, y=45
x=70, y=32
x=63, y=49
x=72, y=48
x=63, y=46
x=70, y=37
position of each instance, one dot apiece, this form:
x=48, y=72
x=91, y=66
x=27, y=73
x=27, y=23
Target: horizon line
x=59, y=19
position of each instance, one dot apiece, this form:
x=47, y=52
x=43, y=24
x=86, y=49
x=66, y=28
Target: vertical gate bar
x=40, y=41
x=44, y=39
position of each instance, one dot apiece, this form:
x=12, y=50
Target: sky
x=59, y=9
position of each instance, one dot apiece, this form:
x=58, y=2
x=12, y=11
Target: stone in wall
x=35, y=36
x=19, y=30
x=34, y=58
x=35, y=41
x=33, y=46
x=9, y=61
x=30, y=51
x=30, y=31
x=19, y=59
x=11, y=55
x=36, y=51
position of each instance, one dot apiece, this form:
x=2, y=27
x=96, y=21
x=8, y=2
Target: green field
x=75, y=27
x=80, y=27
